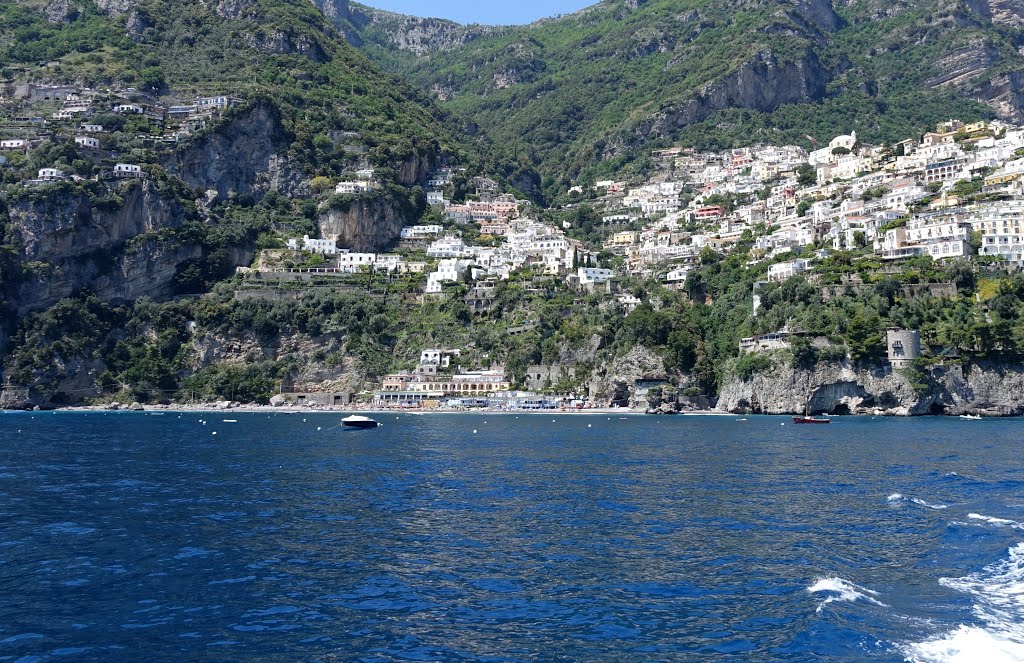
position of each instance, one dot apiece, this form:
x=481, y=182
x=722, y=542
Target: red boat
x=811, y=420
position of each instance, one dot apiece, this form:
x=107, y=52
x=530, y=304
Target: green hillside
x=282, y=48
x=589, y=92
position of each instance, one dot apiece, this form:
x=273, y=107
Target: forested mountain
x=588, y=91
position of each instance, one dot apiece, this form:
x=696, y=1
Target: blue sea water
x=134, y=536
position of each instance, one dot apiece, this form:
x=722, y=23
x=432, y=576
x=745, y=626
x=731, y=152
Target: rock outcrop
x=1004, y=93
x=115, y=7
x=61, y=11
x=419, y=36
x=1009, y=13
x=244, y=154
x=364, y=224
x=70, y=242
x=284, y=42
x=619, y=382
x=839, y=389
x=763, y=83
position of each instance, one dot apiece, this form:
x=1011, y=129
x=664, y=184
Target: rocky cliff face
x=1004, y=93
x=838, y=389
x=616, y=384
x=416, y=169
x=59, y=222
x=242, y=155
x=763, y=83
x=68, y=244
x=366, y=224
x=1001, y=12
x=284, y=42
x=412, y=34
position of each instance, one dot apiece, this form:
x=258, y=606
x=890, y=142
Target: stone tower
x=903, y=346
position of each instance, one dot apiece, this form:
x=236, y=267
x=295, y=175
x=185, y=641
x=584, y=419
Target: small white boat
x=359, y=421
x=970, y=416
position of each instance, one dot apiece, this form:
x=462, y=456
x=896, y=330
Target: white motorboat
x=359, y=421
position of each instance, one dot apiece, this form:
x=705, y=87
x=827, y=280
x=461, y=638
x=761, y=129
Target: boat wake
x=842, y=590
x=998, y=593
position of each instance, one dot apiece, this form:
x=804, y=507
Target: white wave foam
x=895, y=497
x=998, y=592
x=992, y=520
x=930, y=506
x=842, y=590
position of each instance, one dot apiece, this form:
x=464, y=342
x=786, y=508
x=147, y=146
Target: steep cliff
x=244, y=154
x=121, y=246
x=763, y=83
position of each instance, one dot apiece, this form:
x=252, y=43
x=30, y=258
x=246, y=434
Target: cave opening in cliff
x=840, y=409
x=937, y=409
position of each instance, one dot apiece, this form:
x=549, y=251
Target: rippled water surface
x=505, y=538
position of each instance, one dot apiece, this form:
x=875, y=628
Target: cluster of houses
x=523, y=243
x=33, y=112
x=74, y=104
x=900, y=201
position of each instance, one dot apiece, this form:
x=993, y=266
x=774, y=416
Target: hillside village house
x=448, y=247
x=448, y=270
x=128, y=170
x=677, y=277
x=219, y=102
x=87, y=142
x=51, y=174
x=783, y=270
x=593, y=275
x=128, y=109
x=1008, y=247
x=92, y=128
x=323, y=246
x=13, y=144
x=420, y=232
x=357, y=186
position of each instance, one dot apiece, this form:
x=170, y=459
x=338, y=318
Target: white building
x=420, y=232
x=127, y=170
x=51, y=174
x=352, y=262
x=323, y=246
x=128, y=109
x=783, y=270
x=677, y=277
x=448, y=247
x=87, y=142
x=220, y=102
x=354, y=187
x=92, y=128
x=435, y=197
x=594, y=275
x=1007, y=247
x=13, y=144
x=447, y=270
x=388, y=262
